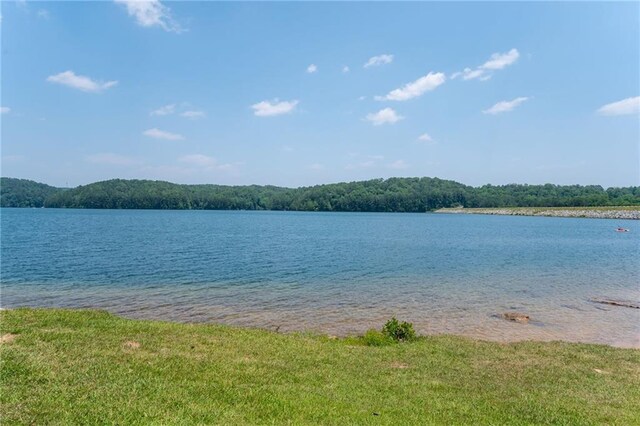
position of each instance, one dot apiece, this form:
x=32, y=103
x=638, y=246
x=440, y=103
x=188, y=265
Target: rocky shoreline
x=594, y=213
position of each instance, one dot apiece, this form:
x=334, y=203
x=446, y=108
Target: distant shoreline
x=406, y=195
x=624, y=213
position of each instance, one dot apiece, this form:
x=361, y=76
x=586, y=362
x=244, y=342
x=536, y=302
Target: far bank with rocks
x=627, y=213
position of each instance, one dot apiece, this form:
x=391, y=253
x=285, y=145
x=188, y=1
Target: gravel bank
x=612, y=213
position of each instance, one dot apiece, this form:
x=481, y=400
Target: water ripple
x=337, y=273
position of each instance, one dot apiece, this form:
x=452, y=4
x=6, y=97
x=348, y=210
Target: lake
x=336, y=273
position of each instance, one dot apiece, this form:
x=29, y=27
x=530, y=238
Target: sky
x=304, y=93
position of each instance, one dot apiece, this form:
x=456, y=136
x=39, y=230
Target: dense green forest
x=377, y=195
x=24, y=193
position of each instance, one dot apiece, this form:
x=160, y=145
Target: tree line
x=376, y=195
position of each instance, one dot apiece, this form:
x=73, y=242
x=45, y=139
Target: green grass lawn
x=90, y=367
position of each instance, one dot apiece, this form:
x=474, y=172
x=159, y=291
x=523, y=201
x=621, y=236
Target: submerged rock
x=622, y=303
x=516, y=317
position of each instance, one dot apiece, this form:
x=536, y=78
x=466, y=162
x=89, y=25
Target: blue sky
x=299, y=94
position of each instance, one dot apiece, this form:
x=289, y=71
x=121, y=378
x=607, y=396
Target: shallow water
x=339, y=273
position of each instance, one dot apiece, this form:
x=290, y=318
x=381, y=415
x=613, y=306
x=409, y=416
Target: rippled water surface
x=338, y=273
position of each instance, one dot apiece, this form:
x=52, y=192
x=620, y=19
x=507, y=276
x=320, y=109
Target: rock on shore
x=516, y=317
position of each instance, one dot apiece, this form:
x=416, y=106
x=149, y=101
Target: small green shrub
x=399, y=332
x=376, y=338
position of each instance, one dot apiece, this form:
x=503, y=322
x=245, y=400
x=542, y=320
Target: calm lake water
x=338, y=273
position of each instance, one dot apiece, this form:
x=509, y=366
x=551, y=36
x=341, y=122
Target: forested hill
x=378, y=195
x=24, y=193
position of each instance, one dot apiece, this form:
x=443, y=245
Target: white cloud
x=165, y=110
x=415, y=88
x=398, y=165
x=112, y=159
x=5, y=110
x=173, y=108
x=80, y=82
x=151, y=13
x=345, y=69
x=497, y=61
x=43, y=14
x=365, y=161
x=272, y=108
x=626, y=106
x=469, y=74
x=161, y=134
x=505, y=106
x=206, y=163
x=425, y=137
x=198, y=160
x=386, y=115
x=375, y=61
x=316, y=167
x=193, y=114
x=312, y=68
x=500, y=60
x=230, y=167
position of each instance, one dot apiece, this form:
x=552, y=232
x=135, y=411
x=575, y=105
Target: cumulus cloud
x=161, y=134
x=43, y=14
x=376, y=61
x=312, y=68
x=203, y=162
x=165, y=110
x=345, y=69
x=5, y=110
x=364, y=162
x=398, y=165
x=230, y=167
x=174, y=108
x=469, y=74
x=415, y=88
x=384, y=116
x=425, y=137
x=193, y=114
x=12, y=158
x=151, y=13
x=198, y=160
x=273, y=108
x=80, y=82
x=497, y=61
x=112, y=159
x=500, y=60
x=626, y=106
x=505, y=106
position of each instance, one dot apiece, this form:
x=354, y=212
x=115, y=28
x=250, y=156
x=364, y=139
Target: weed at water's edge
x=399, y=331
x=393, y=331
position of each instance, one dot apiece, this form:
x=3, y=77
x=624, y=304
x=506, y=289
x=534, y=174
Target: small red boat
x=622, y=230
